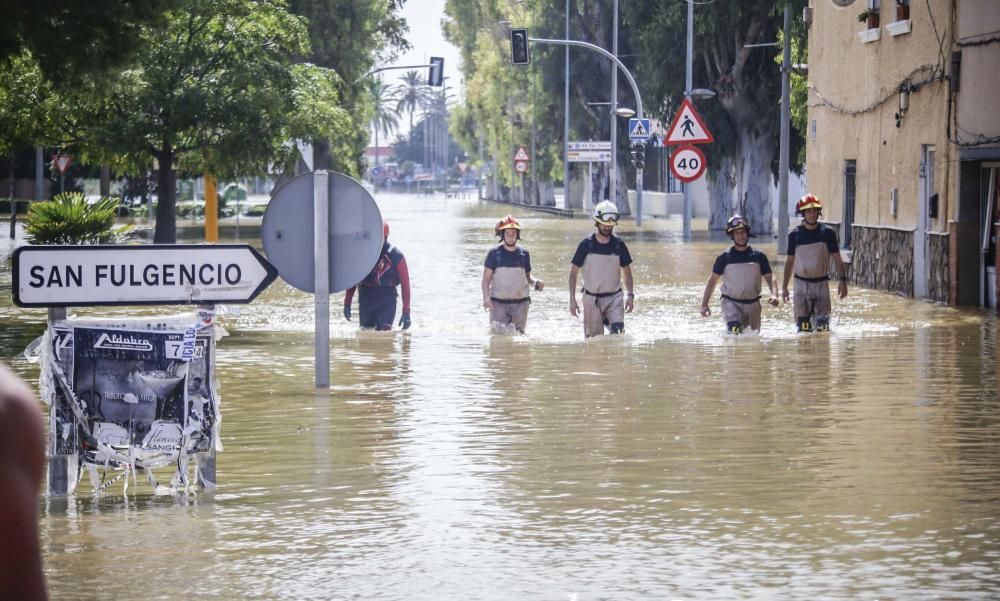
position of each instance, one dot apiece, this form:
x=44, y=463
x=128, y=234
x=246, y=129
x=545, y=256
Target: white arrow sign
x=166, y=274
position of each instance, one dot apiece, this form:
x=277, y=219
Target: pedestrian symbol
x=638, y=130
x=687, y=128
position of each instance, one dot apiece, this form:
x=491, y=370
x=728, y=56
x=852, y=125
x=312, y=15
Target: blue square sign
x=638, y=130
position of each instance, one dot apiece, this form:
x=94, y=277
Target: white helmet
x=606, y=213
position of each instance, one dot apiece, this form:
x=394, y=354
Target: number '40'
x=689, y=164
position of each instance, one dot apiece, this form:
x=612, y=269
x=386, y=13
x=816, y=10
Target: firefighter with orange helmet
x=377, y=292
x=741, y=269
x=507, y=278
x=811, y=246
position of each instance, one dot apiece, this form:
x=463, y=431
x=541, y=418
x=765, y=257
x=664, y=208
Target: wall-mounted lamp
x=904, y=101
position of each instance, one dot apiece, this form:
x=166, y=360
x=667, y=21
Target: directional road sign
x=590, y=145
x=687, y=163
x=160, y=274
x=588, y=156
x=354, y=232
x=687, y=127
x=638, y=130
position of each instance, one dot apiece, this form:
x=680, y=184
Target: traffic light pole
x=638, y=106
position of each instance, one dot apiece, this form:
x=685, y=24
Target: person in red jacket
x=22, y=464
x=377, y=292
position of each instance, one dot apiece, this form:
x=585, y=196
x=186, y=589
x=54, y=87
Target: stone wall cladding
x=939, y=280
x=883, y=259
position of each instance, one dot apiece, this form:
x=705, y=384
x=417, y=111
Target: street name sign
x=687, y=163
x=590, y=145
x=638, y=130
x=159, y=274
x=687, y=127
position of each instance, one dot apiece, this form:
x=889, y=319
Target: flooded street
x=672, y=462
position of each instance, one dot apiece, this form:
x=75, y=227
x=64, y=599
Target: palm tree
x=384, y=119
x=412, y=94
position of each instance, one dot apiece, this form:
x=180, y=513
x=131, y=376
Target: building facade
x=903, y=141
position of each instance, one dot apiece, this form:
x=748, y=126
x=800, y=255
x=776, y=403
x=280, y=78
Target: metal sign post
x=323, y=232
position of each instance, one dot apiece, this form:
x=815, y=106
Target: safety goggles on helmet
x=606, y=213
x=737, y=222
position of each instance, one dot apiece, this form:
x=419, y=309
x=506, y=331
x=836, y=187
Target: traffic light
x=638, y=155
x=436, y=72
x=519, y=46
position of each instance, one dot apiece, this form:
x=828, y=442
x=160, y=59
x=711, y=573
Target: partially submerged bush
x=69, y=219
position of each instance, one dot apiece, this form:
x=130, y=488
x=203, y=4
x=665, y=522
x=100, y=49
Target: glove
x=404, y=321
x=347, y=312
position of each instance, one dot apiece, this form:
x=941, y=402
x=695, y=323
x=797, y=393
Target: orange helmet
x=809, y=201
x=385, y=229
x=507, y=223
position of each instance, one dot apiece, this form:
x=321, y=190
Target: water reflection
x=670, y=462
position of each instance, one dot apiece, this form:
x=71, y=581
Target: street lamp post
x=614, y=106
x=687, y=94
x=783, y=151
x=638, y=105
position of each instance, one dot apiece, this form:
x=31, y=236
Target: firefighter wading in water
x=604, y=260
x=377, y=292
x=741, y=269
x=810, y=247
x=507, y=278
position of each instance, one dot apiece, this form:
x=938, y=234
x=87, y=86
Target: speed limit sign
x=687, y=163
x=520, y=166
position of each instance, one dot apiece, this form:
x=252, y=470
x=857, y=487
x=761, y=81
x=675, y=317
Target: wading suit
x=812, y=250
x=603, y=302
x=741, y=273
x=509, y=286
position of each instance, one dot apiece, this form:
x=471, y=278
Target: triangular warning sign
x=687, y=128
x=521, y=154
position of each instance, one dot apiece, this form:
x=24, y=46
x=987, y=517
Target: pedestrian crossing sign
x=521, y=154
x=687, y=128
x=638, y=130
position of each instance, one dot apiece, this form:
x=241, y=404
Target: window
x=850, y=194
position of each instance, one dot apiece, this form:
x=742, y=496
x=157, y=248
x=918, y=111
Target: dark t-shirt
x=735, y=257
x=812, y=250
x=616, y=246
x=498, y=257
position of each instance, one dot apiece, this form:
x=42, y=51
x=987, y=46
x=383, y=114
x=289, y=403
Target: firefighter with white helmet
x=604, y=261
x=507, y=278
x=741, y=269
x=810, y=248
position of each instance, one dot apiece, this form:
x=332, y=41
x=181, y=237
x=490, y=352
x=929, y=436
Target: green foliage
x=76, y=41
x=69, y=219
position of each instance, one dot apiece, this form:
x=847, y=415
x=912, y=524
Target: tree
x=384, y=119
x=349, y=37
x=214, y=89
x=73, y=40
x=744, y=115
x=412, y=94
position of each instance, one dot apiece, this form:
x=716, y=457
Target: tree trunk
x=13, y=201
x=105, y=181
x=758, y=154
x=721, y=184
x=166, y=214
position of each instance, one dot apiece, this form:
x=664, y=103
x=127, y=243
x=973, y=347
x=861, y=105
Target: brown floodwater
x=672, y=462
